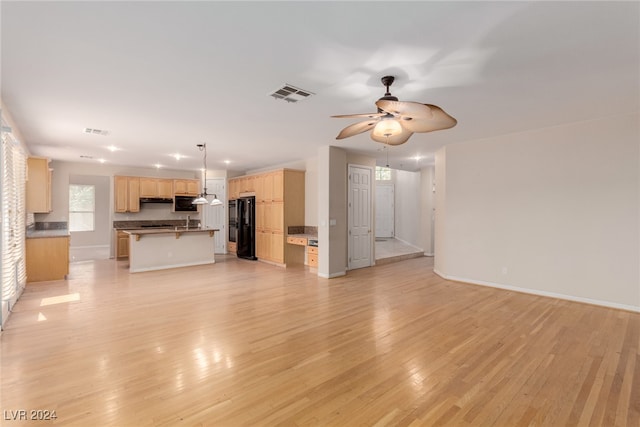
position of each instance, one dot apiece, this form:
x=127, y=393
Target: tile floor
x=391, y=247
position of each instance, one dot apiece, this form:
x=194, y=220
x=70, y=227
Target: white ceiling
x=162, y=77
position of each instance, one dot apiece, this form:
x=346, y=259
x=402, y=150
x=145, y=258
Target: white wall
x=311, y=192
x=332, y=205
x=427, y=205
x=408, y=211
x=552, y=211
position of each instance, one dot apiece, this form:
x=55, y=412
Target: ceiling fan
x=396, y=121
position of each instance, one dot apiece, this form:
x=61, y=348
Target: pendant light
x=202, y=198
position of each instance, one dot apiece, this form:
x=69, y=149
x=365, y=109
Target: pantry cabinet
x=279, y=204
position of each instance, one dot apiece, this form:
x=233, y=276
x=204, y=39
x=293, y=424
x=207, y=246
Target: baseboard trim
x=608, y=304
x=332, y=275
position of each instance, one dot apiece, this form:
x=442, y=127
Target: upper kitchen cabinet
x=156, y=187
x=38, y=185
x=186, y=187
x=126, y=193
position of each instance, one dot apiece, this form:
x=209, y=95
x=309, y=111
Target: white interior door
x=215, y=216
x=360, y=218
x=385, y=210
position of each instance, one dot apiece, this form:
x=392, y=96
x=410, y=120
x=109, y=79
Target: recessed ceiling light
x=226, y=162
x=112, y=148
x=158, y=165
x=178, y=156
x=101, y=160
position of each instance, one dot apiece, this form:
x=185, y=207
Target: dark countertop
x=40, y=234
x=168, y=230
x=304, y=236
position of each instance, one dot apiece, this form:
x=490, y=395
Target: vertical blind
x=12, y=203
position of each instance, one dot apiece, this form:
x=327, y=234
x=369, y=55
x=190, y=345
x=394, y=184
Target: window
x=383, y=174
x=82, y=206
x=12, y=216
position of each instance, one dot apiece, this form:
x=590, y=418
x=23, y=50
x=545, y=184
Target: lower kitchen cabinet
x=312, y=256
x=47, y=258
x=122, y=244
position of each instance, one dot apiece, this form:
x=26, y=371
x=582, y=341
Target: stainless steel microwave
x=184, y=204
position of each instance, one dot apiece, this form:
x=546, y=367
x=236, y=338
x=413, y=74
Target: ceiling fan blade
x=404, y=109
x=359, y=116
x=440, y=120
x=356, y=128
x=397, y=139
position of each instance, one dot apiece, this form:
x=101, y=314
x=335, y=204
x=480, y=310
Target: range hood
x=155, y=200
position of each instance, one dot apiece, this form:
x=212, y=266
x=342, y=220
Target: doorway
x=215, y=216
x=385, y=211
x=360, y=217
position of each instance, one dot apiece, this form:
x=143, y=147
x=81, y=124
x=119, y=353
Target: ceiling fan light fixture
x=387, y=127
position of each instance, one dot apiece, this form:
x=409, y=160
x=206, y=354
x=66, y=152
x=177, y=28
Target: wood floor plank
x=242, y=343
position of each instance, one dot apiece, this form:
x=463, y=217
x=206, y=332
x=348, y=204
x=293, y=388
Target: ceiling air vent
x=291, y=93
x=96, y=131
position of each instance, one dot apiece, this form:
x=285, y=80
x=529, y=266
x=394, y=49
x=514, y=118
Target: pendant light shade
x=202, y=198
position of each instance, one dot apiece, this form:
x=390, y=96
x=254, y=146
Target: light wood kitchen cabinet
x=233, y=189
x=38, y=186
x=278, y=186
x=186, y=187
x=165, y=188
x=273, y=217
x=126, y=193
x=279, y=204
x=156, y=187
x=312, y=256
x=47, y=258
x=122, y=244
x=249, y=184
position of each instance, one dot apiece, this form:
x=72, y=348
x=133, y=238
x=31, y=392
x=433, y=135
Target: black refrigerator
x=246, y=237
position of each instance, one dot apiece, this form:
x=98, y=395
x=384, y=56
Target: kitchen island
x=159, y=249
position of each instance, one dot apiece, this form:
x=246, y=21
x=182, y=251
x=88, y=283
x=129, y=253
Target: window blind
x=12, y=206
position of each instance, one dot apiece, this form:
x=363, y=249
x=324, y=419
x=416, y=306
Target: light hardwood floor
x=245, y=343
